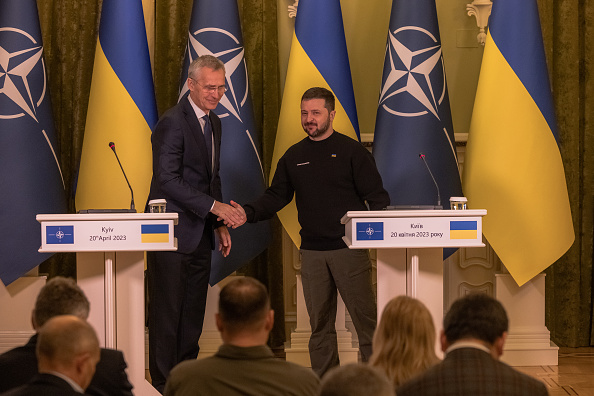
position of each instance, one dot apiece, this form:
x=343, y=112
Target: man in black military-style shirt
x=329, y=174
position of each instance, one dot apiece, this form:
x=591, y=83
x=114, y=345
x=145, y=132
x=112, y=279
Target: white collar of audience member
x=468, y=344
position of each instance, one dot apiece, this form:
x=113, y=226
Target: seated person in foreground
x=67, y=351
x=404, y=341
x=244, y=364
x=355, y=380
x=62, y=296
x=473, y=335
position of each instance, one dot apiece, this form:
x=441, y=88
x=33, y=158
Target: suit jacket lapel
x=196, y=132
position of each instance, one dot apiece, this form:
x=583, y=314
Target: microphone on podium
x=112, y=147
x=422, y=157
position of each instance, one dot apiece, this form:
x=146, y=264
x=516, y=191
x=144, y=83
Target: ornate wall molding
x=481, y=10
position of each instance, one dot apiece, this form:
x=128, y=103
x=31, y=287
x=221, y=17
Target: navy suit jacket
x=19, y=365
x=472, y=372
x=46, y=385
x=182, y=171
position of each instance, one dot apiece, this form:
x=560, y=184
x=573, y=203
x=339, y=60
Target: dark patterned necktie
x=208, y=138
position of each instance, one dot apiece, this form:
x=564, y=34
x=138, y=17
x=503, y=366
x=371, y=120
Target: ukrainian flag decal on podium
x=154, y=233
x=463, y=230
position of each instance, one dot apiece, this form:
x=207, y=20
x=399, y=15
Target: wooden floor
x=573, y=376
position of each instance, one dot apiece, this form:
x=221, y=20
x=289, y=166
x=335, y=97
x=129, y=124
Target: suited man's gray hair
x=60, y=296
x=209, y=61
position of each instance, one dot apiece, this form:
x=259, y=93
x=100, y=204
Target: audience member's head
x=404, y=341
x=60, y=296
x=476, y=317
x=355, y=380
x=244, y=315
x=68, y=345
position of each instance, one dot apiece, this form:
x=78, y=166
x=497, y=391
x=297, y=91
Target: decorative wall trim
x=481, y=10
x=466, y=288
x=13, y=339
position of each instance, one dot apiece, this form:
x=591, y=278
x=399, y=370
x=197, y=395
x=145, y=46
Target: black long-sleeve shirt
x=328, y=178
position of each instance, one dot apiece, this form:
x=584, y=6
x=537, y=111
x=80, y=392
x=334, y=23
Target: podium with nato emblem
x=110, y=269
x=409, y=247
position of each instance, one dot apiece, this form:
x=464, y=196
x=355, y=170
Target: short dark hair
x=475, y=315
x=355, y=380
x=243, y=303
x=321, y=93
x=60, y=296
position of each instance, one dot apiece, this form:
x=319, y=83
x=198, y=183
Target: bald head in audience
x=68, y=345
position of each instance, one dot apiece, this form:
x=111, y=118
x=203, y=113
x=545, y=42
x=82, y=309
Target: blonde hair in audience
x=404, y=341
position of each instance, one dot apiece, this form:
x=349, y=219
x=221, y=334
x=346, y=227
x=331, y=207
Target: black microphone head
x=112, y=145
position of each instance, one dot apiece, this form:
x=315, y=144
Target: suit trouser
x=322, y=273
x=178, y=286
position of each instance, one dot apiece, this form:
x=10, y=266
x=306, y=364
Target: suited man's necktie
x=208, y=138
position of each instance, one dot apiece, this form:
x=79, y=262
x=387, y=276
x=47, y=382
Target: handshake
x=232, y=215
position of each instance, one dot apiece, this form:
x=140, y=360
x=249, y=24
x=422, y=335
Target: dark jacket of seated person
x=19, y=365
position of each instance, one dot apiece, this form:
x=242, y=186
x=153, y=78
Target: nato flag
x=215, y=30
x=413, y=114
x=30, y=176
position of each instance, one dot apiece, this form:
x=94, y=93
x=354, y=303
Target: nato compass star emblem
x=415, y=85
x=16, y=69
x=411, y=72
x=23, y=83
x=236, y=96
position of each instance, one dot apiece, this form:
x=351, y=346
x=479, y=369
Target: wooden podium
x=409, y=247
x=110, y=269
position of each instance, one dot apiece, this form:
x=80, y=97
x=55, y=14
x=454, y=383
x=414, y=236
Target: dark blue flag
x=215, y=30
x=413, y=114
x=30, y=177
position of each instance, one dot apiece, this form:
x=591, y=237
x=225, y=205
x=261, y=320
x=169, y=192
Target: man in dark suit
x=67, y=352
x=186, y=152
x=62, y=296
x=473, y=335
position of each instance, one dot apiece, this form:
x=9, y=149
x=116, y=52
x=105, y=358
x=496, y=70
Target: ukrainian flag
x=122, y=109
x=463, y=230
x=154, y=233
x=513, y=164
x=318, y=58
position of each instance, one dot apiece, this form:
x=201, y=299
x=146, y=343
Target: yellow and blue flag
x=413, y=115
x=122, y=109
x=318, y=58
x=30, y=176
x=215, y=30
x=463, y=229
x=154, y=233
x=513, y=165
